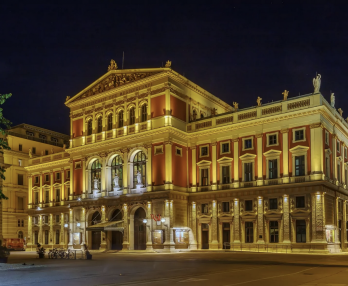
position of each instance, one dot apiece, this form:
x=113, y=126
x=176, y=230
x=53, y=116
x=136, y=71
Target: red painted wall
x=198, y=159
x=158, y=166
x=228, y=155
x=266, y=149
x=179, y=167
x=158, y=103
x=78, y=178
x=178, y=108
x=241, y=153
x=77, y=127
x=190, y=166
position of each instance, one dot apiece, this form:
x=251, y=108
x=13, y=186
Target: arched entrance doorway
x=139, y=230
x=116, y=236
x=96, y=235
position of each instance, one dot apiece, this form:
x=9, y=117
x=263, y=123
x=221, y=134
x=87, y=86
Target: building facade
x=155, y=161
x=21, y=139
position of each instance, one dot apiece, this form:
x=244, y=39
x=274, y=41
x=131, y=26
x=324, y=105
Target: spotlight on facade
x=38, y=208
x=78, y=224
x=66, y=225
x=144, y=220
x=163, y=220
x=79, y=199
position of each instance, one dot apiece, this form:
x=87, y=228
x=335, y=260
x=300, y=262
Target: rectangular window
x=20, y=147
x=54, y=139
x=20, y=179
x=327, y=138
x=205, y=208
x=299, y=135
x=58, y=176
x=22, y=222
x=248, y=205
x=300, y=231
x=20, y=203
x=339, y=173
x=248, y=172
x=34, y=150
x=273, y=204
x=248, y=144
x=30, y=133
x=225, y=174
x=204, y=151
x=204, y=175
x=338, y=146
x=36, y=179
x=68, y=175
x=47, y=196
x=273, y=170
x=57, y=195
x=225, y=148
x=46, y=152
x=57, y=236
x=273, y=232
x=36, y=198
x=249, y=232
x=43, y=137
x=226, y=207
x=300, y=165
x=47, y=178
x=272, y=139
x=300, y=202
x=178, y=151
x=45, y=219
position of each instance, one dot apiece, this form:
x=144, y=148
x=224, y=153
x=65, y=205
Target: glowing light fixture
x=78, y=224
x=79, y=199
x=66, y=225
x=144, y=220
x=163, y=219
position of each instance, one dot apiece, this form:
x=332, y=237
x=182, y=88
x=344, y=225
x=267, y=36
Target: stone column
x=103, y=173
x=126, y=166
x=318, y=219
x=260, y=227
x=103, y=234
x=40, y=230
x=149, y=227
x=62, y=191
x=30, y=190
x=317, y=161
x=259, y=160
x=41, y=190
x=71, y=228
x=194, y=169
x=51, y=187
x=286, y=219
x=84, y=181
x=83, y=225
x=193, y=224
x=62, y=236
x=168, y=165
x=149, y=167
x=108, y=180
x=334, y=157
x=236, y=164
x=30, y=238
x=126, y=228
x=214, y=225
x=236, y=222
x=285, y=155
x=214, y=166
x=71, y=162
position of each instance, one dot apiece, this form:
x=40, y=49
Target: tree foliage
x=4, y=125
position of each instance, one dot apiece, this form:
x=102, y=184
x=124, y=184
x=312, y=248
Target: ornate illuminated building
x=155, y=161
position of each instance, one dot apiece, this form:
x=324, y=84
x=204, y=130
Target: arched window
x=19, y=223
x=139, y=164
x=96, y=174
x=22, y=222
x=100, y=124
x=20, y=234
x=116, y=215
x=117, y=169
x=143, y=112
x=110, y=121
x=132, y=116
x=96, y=218
x=36, y=237
x=89, y=127
x=120, y=119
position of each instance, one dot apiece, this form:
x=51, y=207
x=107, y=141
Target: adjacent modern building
x=157, y=162
x=24, y=140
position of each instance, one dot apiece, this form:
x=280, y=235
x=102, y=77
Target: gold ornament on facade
x=258, y=100
x=112, y=66
x=67, y=98
x=285, y=94
x=235, y=105
x=168, y=64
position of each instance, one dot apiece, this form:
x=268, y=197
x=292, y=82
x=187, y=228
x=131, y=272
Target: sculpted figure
x=30, y=153
x=139, y=177
x=235, y=105
x=340, y=111
x=194, y=115
x=316, y=83
x=95, y=181
x=332, y=99
x=67, y=98
x=116, y=178
x=285, y=93
x=258, y=101
x=168, y=64
x=112, y=66
x=213, y=111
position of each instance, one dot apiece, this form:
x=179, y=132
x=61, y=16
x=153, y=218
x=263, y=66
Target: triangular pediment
x=247, y=156
x=203, y=163
x=299, y=149
x=113, y=79
x=225, y=160
x=272, y=152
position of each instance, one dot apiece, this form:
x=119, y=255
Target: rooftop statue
x=168, y=64
x=67, y=98
x=340, y=111
x=316, y=83
x=112, y=66
x=285, y=93
x=235, y=105
x=332, y=99
x=259, y=101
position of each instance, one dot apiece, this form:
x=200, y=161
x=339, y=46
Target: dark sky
x=237, y=50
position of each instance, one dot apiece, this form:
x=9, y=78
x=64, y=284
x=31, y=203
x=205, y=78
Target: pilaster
x=236, y=233
x=236, y=162
x=334, y=157
x=214, y=225
x=193, y=224
x=102, y=233
x=317, y=161
x=148, y=147
x=318, y=218
x=259, y=160
x=71, y=162
x=286, y=219
x=260, y=225
x=126, y=228
x=125, y=171
x=285, y=153
x=62, y=192
x=194, y=169
x=214, y=166
x=168, y=164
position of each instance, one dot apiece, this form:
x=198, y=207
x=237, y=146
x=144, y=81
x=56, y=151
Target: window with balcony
x=120, y=119
x=89, y=127
x=273, y=168
x=100, y=124
x=248, y=172
x=110, y=119
x=132, y=116
x=204, y=177
x=143, y=112
x=300, y=165
x=225, y=174
x=273, y=204
x=248, y=205
x=300, y=202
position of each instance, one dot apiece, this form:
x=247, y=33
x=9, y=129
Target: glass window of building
x=20, y=179
x=143, y=112
x=249, y=232
x=139, y=167
x=300, y=231
x=22, y=222
x=273, y=232
x=19, y=223
x=120, y=119
x=204, y=151
x=272, y=139
x=248, y=205
x=299, y=135
x=46, y=236
x=57, y=195
x=117, y=172
x=248, y=172
x=204, y=177
x=248, y=144
x=20, y=203
x=58, y=176
x=300, y=202
x=20, y=147
x=20, y=234
x=226, y=207
x=110, y=117
x=47, y=196
x=273, y=169
x=100, y=124
x=46, y=152
x=300, y=165
x=47, y=178
x=57, y=236
x=132, y=116
x=225, y=174
x=96, y=173
x=273, y=204
x=89, y=127
x=225, y=148
x=34, y=150
x=36, y=198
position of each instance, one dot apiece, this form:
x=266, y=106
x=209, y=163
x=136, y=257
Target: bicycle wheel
x=71, y=255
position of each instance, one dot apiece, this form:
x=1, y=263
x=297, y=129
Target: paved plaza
x=192, y=268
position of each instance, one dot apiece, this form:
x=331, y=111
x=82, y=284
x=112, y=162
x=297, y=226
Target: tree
x=4, y=125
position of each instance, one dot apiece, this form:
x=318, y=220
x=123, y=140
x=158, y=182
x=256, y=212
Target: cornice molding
x=49, y=165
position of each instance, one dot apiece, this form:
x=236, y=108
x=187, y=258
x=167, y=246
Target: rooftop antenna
x=123, y=60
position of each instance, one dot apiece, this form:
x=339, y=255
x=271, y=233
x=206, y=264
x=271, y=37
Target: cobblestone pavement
x=201, y=268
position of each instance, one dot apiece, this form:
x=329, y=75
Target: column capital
x=259, y=135
x=193, y=147
x=316, y=125
x=168, y=142
x=235, y=140
x=213, y=144
x=286, y=130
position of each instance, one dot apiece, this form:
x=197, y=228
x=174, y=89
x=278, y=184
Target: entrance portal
x=139, y=230
x=117, y=240
x=96, y=235
x=226, y=235
x=205, y=236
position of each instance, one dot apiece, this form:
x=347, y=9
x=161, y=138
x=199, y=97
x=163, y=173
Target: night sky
x=237, y=50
